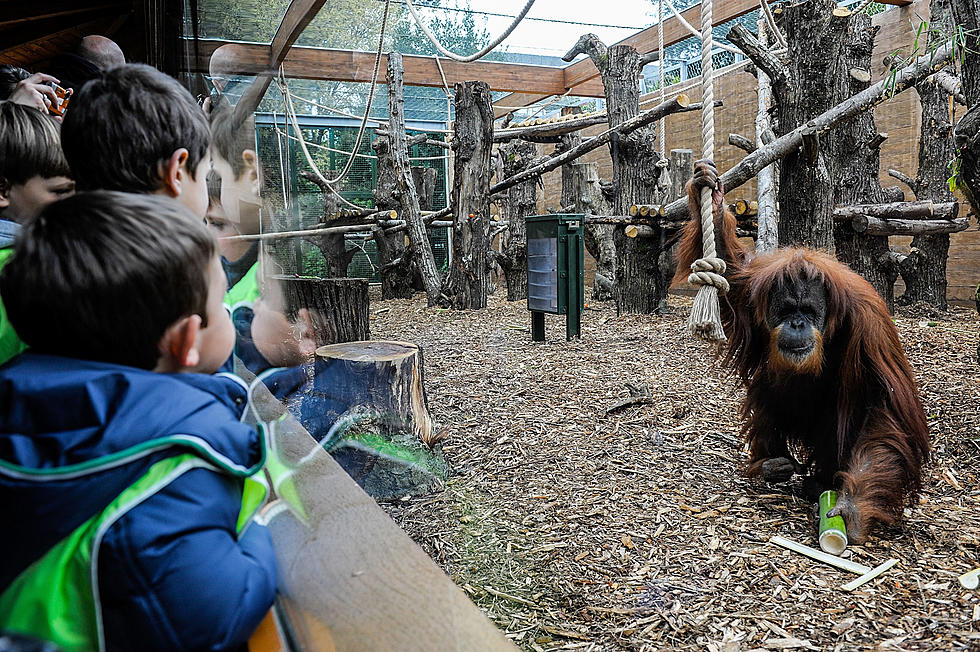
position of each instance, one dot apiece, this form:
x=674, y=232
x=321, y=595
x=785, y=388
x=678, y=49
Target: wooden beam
x=20, y=13
x=356, y=66
x=28, y=47
x=298, y=15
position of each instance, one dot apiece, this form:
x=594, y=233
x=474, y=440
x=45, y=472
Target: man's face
x=21, y=202
x=216, y=340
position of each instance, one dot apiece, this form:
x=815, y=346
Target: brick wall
x=900, y=117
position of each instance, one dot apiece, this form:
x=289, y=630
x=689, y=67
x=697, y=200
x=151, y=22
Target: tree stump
x=374, y=394
x=339, y=307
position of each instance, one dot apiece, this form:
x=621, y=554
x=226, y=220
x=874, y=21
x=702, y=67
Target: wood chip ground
x=577, y=530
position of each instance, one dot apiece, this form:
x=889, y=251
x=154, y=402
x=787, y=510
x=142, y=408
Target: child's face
x=277, y=339
x=216, y=340
x=240, y=197
x=21, y=202
x=194, y=191
x=222, y=228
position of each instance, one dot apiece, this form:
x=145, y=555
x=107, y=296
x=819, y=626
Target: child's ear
x=178, y=347
x=173, y=171
x=251, y=161
x=306, y=331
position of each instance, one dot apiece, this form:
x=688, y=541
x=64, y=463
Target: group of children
x=127, y=475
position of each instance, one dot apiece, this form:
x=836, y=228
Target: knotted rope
x=705, y=319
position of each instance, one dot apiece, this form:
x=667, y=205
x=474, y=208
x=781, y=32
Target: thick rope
x=473, y=57
x=663, y=92
x=284, y=88
x=695, y=33
x=705, y=319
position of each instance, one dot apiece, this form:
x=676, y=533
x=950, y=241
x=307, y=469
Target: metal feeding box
x=556, y=271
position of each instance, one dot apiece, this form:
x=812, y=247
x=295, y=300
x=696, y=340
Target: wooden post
x=855, y=160
x=640, y=286
x=468, y=281
x=339, y=307
x=396, y=268
x=520, y=204
x=419, y=248
x=766, y=191
x=581, y=193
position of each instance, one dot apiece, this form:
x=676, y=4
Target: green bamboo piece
x=833, y=534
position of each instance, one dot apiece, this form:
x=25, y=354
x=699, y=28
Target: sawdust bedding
x=574, y=529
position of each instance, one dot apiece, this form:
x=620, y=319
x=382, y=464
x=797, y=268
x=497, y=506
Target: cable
x=473, y=57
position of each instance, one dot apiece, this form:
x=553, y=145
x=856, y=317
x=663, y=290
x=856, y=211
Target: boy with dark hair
x=33, y=173
x=129, y=479
x=136, y=129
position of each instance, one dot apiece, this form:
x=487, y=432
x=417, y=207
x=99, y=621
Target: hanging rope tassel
x=708, y=271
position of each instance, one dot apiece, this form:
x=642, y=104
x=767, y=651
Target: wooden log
x=950, y=84
x=912, y=210
x=339, y=308
x=387, y=377
x=621, y=220
x=639, y=231
x=893, y=194
x=879, y=226
x=847, y=110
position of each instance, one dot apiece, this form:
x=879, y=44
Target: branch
x=951, y=84
x=591, y=45
x=765, y=60
x=743, y=143
x=906, y=179
x=869, y=98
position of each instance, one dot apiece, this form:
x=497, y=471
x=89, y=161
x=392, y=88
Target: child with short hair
x=33, y=173
x=136, y=129
x=125, y=473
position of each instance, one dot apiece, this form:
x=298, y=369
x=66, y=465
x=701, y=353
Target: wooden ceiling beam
x=21, y=13
x=356, y=66
x=298, y=15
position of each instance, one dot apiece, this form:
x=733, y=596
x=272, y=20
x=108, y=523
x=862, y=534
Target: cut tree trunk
x=924, y=269
x=425, y=185
x=966, y=13
x=419, y=249
x=333, y=246
x=339, y=307
x=640, y=286
x=767, y=238
x=807, y=180
x=374, y=393
x=521, y=203
x=396, y=267
x=580, y=193
x=468, y=281
x=853, y=154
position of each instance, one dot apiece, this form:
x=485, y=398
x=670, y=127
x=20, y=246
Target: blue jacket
x=173, y=573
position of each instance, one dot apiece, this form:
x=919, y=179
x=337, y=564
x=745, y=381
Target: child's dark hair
x=230, y=134
x=103, y=274
x=10, y=76
x=29, y=145
x=127, y=121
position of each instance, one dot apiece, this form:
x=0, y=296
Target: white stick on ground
x=820, y=555
x=870, y=575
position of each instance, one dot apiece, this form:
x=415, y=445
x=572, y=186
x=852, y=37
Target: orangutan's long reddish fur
x=858, y=422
